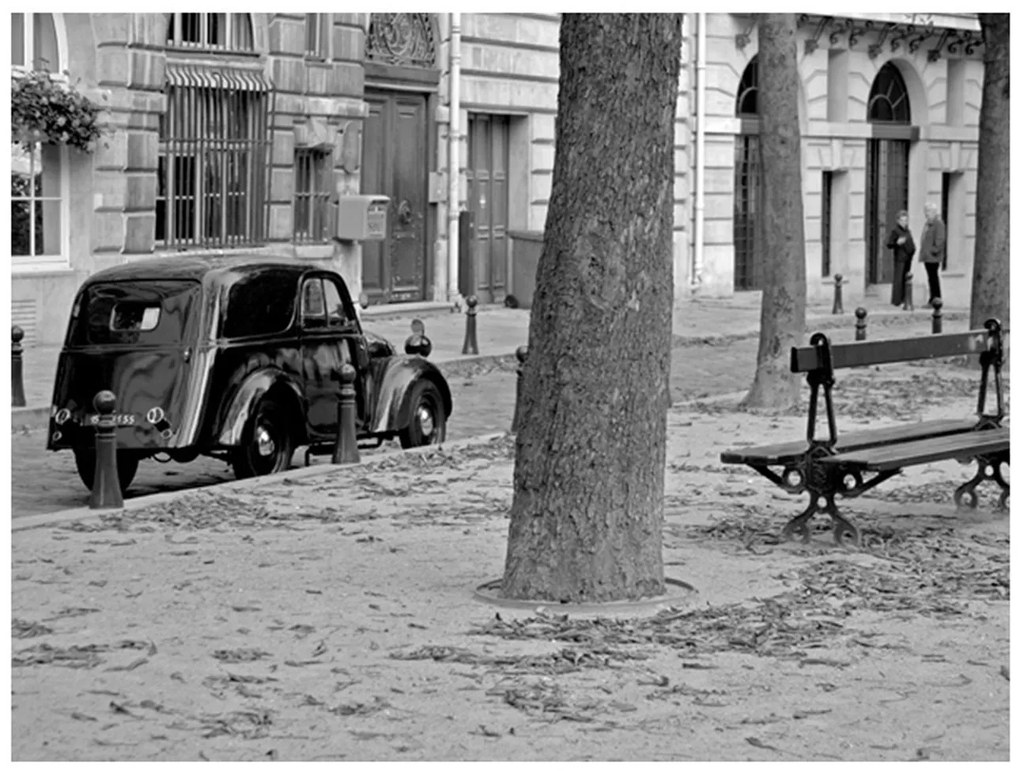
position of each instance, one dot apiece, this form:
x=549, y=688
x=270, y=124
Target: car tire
x=427, y=423
x=85, y=462
x=266, y=441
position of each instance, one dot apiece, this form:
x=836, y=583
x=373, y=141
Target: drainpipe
x=453, y=166
x=699, y=155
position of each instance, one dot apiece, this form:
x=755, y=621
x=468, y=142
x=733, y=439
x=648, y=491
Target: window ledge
x=39, y=269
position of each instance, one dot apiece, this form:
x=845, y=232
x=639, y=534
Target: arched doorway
x=747, y=190
x=401, y=83
x=887, y=162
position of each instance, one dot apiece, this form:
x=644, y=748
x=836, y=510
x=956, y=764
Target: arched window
x=888, y=101
x=213, y=168
x=747, y=190
x=34, y=42
x=38, y=169
x=747, y=91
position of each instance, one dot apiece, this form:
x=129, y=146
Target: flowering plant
x=47, y=110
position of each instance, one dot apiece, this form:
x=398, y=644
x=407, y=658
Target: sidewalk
x=338, y=613
x=499, y=332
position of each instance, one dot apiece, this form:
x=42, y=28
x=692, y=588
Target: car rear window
x=141, y=312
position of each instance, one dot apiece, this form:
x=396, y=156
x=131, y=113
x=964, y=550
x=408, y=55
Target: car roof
x=205, y=268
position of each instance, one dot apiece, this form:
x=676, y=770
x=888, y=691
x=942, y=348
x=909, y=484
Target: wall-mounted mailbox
x=361, y=217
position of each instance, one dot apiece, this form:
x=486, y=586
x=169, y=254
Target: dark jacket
x=933, y=242
x=902, y=251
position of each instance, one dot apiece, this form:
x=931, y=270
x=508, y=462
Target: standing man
x=933, y=249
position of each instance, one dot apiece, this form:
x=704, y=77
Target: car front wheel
x=428, y=418
x=266, y=442
x=85, y=462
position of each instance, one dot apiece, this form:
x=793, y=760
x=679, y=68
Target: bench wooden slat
x=864, y=352
x=889, y=457
x=778, y=454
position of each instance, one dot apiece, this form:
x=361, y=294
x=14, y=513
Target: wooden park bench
x=850, y=464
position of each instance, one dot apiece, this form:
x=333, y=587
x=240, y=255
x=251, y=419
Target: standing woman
x=902, y=244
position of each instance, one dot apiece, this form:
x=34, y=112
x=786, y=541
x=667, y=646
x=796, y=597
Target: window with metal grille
x=212, y=181
x=826, y=223
x=317, y=35
x=222, y=31
x=312, y=190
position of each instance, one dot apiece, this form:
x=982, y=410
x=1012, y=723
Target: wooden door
x=395, y=165
x=886, y=195
x=488, y=153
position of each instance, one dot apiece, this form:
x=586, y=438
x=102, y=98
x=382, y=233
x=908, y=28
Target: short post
x=837, y=302
x=471, y=332
x=346, y=448
x=17, y=381
x=861, y=330
x=936, y=316
x=417, y=343
x=522, y=358
x=908, y=292
x=105, y=480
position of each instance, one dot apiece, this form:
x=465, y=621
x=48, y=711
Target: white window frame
x=229, y=33
x=319, y=25
x=35, y=263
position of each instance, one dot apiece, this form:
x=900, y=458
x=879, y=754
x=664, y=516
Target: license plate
x=119, y=419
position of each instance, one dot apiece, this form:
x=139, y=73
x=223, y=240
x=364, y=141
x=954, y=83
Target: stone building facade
x=241, y=132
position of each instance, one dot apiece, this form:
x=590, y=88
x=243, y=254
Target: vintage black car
x=232, y=357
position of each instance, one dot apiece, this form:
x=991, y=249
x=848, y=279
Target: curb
x=64, y=516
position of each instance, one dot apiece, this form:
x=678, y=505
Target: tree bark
x=989, y=296
x=586, y=519
x=783, y=298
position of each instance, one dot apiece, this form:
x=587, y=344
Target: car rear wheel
x=266, y=442
x=85, y=462
x=428, y=417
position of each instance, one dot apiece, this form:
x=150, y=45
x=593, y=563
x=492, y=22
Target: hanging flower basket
x=46, y=110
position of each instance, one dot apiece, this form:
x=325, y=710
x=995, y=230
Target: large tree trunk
x=783, y=290
x=586, y=521
x=989, y=295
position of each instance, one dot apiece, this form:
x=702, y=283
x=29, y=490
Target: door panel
x=887, y=165
x=396, y=165
x=374, y=254
x=488, y=200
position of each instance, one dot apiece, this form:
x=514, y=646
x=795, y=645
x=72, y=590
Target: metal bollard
x=417, y=343
x=861, y=330
x=522, y=358
x=105, y=480
x=936, y=316
x=837, y=302
x=908, y=292
x=471, y=332
x=17, y=381
x=346, y=448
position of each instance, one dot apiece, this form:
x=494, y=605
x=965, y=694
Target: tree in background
x=784, y=293
x=989, y=295
x=586, y=520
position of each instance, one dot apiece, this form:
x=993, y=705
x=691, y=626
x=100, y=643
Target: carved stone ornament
x=403, y=39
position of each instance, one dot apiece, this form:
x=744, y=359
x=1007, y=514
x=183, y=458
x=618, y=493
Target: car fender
x=248, y=392
x=400, y=373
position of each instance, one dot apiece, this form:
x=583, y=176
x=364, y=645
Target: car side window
x=313, y=304
x=334, y=305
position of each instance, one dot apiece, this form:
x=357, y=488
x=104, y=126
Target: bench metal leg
x=844, y=531
x=988, y=468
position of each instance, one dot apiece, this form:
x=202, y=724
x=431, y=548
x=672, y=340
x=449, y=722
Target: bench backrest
x=810, y=358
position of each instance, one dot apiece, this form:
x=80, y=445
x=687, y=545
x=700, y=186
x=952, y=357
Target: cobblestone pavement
x=483, y=393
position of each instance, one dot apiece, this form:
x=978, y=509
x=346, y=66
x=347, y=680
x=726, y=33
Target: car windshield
x=137, y=312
